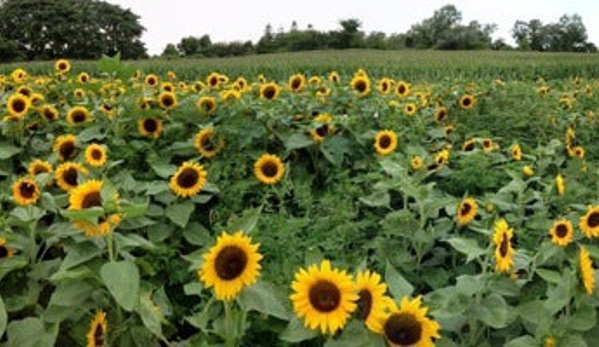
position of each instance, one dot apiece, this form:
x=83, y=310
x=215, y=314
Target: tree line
x=444, y=30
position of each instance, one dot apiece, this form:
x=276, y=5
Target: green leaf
x=262, y=297
x=522, y=341
x=122, y=280
x=470, y=285
x=298, y=140
x=467, y=246
x=549, y=275
x=193, y=288
x=89, y=215
x=157, y=187
x=30, y=332
x=180, y=213
x=493, y=311
x=67, y=299
x=377, y=199
x=197, y=234
x=296, y=332
x=150, y=314
x=353, y=335
x=398, y=286
x=27, y=214
x=583, y=319
x=163, y=169
x=535, y=313
x=573, y=341
x=7, y=151
x=92, y=133
x=3, y=317
x=247, y=222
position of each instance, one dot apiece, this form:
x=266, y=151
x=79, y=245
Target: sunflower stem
x=32, y=244
x=109, y=245
x=231, y=338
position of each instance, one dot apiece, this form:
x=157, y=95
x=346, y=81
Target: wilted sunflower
x=95, y=155
x=334, y=77
x=5, y=252
x=83, y=77
x=407, y=325
x=361, y=85
x=561, y=232
x=18, y=105
x=559, y=184
x=467, y=210
x=296, y=82
x=39, y=166
x=589, y=223
x=207, y=104
x=372, y=301
x=269, y=91
x=149, y=127
x=402, y=89
x=78, y=115
x=65, y=146
x=385, y=142
x=324, y=297
x=25, y=191
x=167, y=100
x=67, y=175
x=467, y=101
x=62, y=66
x=96, y=337
x=441, y=114
x=587, y=273
x=468, y=145
x=269, y=169
x=230, y=265
x=516, y=152
x=503, y=247
x=208, y=143
x=188, y=180
x=416, y=162
x=49, y=112
x=324, y=127
x=151, y=80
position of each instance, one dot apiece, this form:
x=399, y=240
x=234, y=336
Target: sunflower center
x=188, y=178
x=27, y=190
x=150, y=125
x=19, y=105
x=323, y=130
x=207, y=143
x=593, y=220
x=151, y=81
x=213, y=81
x=325, y=296
x=441, y=115
x=92, y=199
x=469, y=146
x=385, y=141
x=465, y=209
x=360, y=86
x=561, y=231
x=269, y=169
x=295, y=84
x=62, y=66
x=49, y=114
x=403, y=329
x=99, y=336
x=78, y=116
x=486, y=143
x=168, y=101
x=38, y=169
x=364, y=303
x=70, y=176
x=466, y=102
x=504, y=245
x=208, y=106
x=230, y=262
x=96, y=154
x=401, y=89
x=67, y=149
x=3, y=252
x=269, y=93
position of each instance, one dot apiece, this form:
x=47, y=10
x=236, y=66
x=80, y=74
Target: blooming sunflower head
x=402, y=89
x=49, y=112
x=25, y=191
x=467, y=101
x=207, y=104
x=95, y=155
x=407, y=325
x=503, y=248
x=18, y=105
x=372, y=301
x=469, y=145
x=149, y=127
x=334, y=77
x=441, y=114
x=296, y=82
x=62, y=66
x=361, y=85
x=88, y=195
x=385, y=142
x=167, y=100
x=188, y=180
x=589, y=223
x=269, y=169
x=208, y=143
x=78, y=115
x=65, y=146
x=467, y=210
x=516, y=152
x=151, y=80
x=67, y=175
x=410, y=108
x=83, y=77
x=587, y=273
x=385, y=85
x=230, y=265
x=324, y=127
x=270, y=91
x=96, y=335
x=416, y=162
x=39, y=166
x=561, y=232
x=5, y=251
x=324, y=297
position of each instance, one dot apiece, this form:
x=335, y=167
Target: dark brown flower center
x=385, y=141
x=27, y=190
x=38, y=169
x=269, y=169
x=323, y=130
x=67, y=149
x=152, y=81
x=92, y=199
x=401, y=89
x=78, y=116
x=364, y=303
x=296, y=83
x=486, y=143
x=49, y=114
x=99, y=336
x=403, y=329
x=360, y=86
x=465, y=209
x=466, y=101
x=97, y=154
x=504, y=245
x=213, y=81
x=70, y=176
x=168, y=100
x=325, y=296
x=19, y=105
x=83, y=78
x=593, y=220
x=441, y=114
x=469, y=146
x=269, y=92
x=561, y=230
x=150, y=125
x=62, y=66
x=209, y=105
x=207, y=143
x=230, y=263
x=188, y=178
x=3, y=252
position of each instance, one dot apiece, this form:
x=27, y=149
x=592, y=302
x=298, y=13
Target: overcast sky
x=240, y=20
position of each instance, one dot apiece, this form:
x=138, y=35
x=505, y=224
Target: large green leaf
x=7, y=151
x=180, y=213
x=30, y=332
x=122, y=280
x=296, y=332
x=3, y=317
x=262, y=297
x=398, y=286
x=467, y=246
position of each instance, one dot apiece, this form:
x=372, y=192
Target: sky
x=242, y=20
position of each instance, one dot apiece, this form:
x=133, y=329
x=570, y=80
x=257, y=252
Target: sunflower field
x=301, y=207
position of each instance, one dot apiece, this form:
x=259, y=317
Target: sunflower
x=95, y=155
x=323, y=91
x=372, y=300
x=516, y=152
x=334, y=77
x=361, y=85
x=385, y=142
x=87, y=195
x=561, y=232
x=410, y=108
x=208, y=143
x=230, y=265
x=416, y=162
x=240, y=84
x=49, y=112
x=78, y=115
x=528, y=171
x=503, y=247
x=467, y=210
x=543, y=90
x=576, y=151
x=324, y=128
x=151, y=80
x=207, y=104
x=18, y=75
x=36, y=99
x=488, y=145
x=167, y=100
x=589, y=223
x=468, y=145
x=442, y=157
x=67, y=175
x=587, y=273
x=324, y=297
x=448, y=130
x=269, y=169
x=269, y=91
x=18, y=105
x=149, y=127
x=402, y=89
x=188, y=180
x=467, y=101
x=65, y=146
x=25, y=191
x=39, y=166
x=315, y=80
x=83, y=77
x=441, y=114
x=79, y=93
x=549, y=341
x=296, y=82
x=230, y=94
x=5, y=252
x=213, y=80
x=407, y=325
x=96, y=336
x=384, y=85
x=62, y=66
x=167, y=87
x=559, y=184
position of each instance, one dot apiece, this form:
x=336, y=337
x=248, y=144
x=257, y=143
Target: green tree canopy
x=567, y=35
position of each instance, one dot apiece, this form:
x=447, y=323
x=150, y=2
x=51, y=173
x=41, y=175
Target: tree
x=349, y=36
x=569, y=34
x=170, y=51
